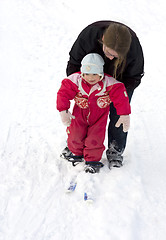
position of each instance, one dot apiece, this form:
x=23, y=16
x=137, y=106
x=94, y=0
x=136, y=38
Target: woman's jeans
x=116, y=136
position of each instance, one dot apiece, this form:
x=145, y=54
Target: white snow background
x=130, y=202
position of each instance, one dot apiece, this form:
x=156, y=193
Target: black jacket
x=88, y=42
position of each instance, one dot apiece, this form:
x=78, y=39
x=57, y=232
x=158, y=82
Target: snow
x=35, y=38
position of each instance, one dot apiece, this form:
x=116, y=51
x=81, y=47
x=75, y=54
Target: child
x=93, y=91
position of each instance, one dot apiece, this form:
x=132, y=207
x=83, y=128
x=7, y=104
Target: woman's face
x=109, y=53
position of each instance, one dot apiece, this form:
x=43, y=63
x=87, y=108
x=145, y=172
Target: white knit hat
x=92, y=63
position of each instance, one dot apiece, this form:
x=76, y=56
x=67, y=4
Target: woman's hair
x=118, y=38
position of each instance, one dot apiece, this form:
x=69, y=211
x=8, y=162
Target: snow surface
x=130, y=204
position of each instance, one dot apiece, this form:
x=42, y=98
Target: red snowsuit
x=86, y=133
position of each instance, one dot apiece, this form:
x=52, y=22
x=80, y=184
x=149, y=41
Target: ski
x=88, y=198
x=72, y=186
x=82, y=180
x=86, y=193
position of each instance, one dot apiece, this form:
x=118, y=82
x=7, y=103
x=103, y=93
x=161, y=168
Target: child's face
x=91, y=78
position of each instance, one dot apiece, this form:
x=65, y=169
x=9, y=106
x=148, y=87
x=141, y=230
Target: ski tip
x=68, y=190
x=90, y=201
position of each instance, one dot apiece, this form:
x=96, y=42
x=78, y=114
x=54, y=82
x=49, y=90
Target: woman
x=123, y=56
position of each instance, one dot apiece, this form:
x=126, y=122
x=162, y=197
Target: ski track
x=130, y=201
